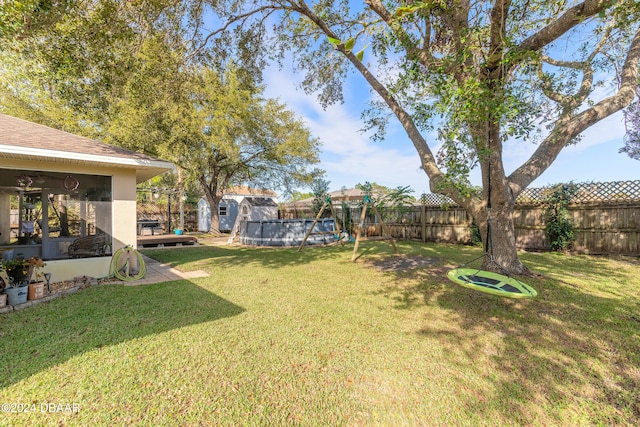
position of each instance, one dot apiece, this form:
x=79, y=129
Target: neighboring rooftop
x=345, y=194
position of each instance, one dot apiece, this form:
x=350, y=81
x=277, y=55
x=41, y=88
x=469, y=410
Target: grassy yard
x=274, y=337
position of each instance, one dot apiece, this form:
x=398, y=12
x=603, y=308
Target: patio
x=156, y=272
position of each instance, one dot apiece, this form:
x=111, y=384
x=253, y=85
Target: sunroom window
x=54, y=215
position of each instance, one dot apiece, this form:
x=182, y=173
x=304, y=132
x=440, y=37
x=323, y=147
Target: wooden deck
x=159, y=240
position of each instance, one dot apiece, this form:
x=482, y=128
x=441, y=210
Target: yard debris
x=84, y=281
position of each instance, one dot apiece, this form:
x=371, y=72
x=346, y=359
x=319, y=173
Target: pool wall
x=285, y=232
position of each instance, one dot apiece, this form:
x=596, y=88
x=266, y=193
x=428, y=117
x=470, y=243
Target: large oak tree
x=483, y=74
x=216, y=127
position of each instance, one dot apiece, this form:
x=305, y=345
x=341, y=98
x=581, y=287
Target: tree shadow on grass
x=43, y=336
x=569, y=355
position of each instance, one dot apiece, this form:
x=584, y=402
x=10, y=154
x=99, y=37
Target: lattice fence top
x=435, y=199
x=587, y=192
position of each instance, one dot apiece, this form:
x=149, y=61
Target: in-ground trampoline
x=286, y=232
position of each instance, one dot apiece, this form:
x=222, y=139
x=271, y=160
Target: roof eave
x=145, y=168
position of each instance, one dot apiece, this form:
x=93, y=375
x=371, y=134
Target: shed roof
x=24, y=140
x=260, y=201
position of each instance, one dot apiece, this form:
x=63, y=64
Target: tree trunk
x=500, y=242
x=214, y=228
x=63, y=217
x=211, y=193
x=214, y=204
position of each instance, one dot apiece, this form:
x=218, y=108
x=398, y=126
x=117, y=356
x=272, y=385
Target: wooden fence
x=606, y=217
x=165, y=208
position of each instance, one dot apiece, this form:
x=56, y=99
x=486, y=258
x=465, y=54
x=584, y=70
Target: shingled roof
x=344, y=195
x=21, y=139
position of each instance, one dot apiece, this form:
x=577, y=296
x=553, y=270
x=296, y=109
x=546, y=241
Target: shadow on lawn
x=49, y=334
x=571, y=345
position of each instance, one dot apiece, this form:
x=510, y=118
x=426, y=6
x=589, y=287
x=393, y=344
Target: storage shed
x=204, y=215
x=258, y=208
x=229, y=205
x=227, y=213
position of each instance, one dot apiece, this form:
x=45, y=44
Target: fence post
x=423, y=221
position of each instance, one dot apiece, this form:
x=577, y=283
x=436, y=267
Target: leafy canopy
x=463, y=78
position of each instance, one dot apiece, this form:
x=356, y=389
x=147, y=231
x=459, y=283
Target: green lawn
x=276, y=337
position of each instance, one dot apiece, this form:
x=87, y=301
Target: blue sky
x=350, y=157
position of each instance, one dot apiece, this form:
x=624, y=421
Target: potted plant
x=34, y=267
x=19, y=272
x=36, y=276
x=4, y=282
x=13, y=273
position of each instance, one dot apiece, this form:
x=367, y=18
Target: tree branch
x=497, y=35
x=427, y=159
x=423, y=55
x=564, y=23
x=567, y=129
x=573, y=101
x=232, y=21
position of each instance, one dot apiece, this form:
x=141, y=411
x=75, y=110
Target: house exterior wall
x=204, y=215
x=259, y=213
x=124, y=216
x=234, y=204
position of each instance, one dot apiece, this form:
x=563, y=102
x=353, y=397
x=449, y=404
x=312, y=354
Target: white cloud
x=348, y=155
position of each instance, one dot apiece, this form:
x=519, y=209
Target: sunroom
x=67, y=199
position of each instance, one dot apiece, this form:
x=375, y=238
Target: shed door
x=204, y=216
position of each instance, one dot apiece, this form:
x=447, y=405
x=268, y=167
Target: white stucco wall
x=124, y=215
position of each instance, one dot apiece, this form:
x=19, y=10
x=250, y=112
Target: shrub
x=558, y=229
x=476, y=238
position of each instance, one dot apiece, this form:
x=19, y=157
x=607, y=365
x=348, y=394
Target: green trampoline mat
x=491, y=283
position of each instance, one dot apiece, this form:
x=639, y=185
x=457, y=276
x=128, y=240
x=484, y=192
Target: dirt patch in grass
x=402, y=263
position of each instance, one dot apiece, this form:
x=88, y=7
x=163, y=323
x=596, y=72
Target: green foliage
x=476, y=237
x=485, y=73
x=558, y=227
x=320, y=190
x=298, y=195
x=121, y=73
x=21, y=17
x=392, y=203
x=396, y=202
x=632, y=122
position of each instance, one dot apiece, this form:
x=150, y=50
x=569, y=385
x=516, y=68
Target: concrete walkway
x=158, y=272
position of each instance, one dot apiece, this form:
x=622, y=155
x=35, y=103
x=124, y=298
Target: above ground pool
x=286, y=232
